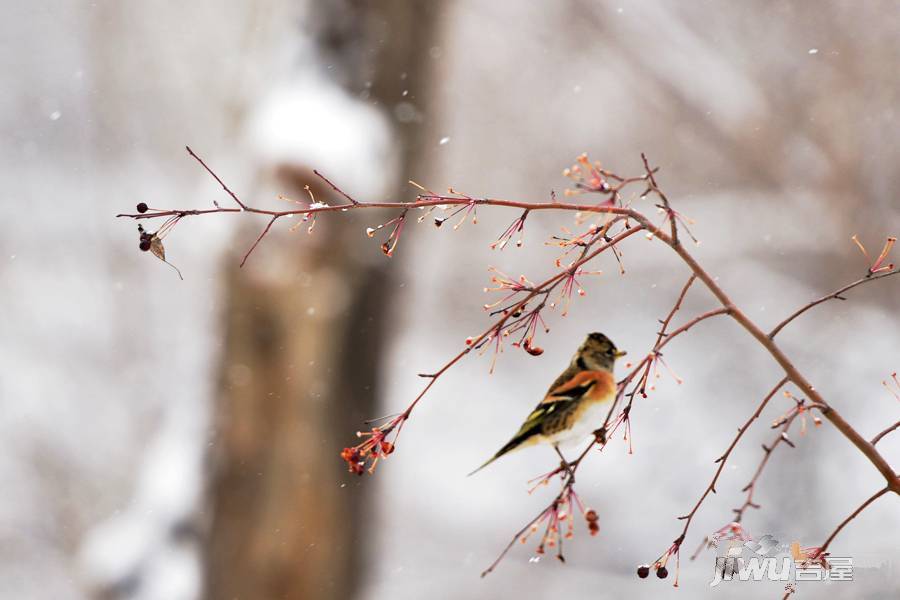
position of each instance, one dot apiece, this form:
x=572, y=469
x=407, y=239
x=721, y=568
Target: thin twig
x=823, y=549
x=216, y=177
x=665, y=200
x=335, y=188
x=796, y=377
x=750, y=488
x=660, y=336
x=836, y=295
x=656, y=349
x=178, y=213
x=665, y=322
x=568, y=481
x=711, y=488
x=878, y=437
x=425, y=202
x=259, y=239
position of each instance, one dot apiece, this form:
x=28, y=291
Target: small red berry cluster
x=144, y=244
x=375, y=447
x=643, y=571
x=659, y=565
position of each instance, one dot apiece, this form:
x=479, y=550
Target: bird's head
x=597, y=353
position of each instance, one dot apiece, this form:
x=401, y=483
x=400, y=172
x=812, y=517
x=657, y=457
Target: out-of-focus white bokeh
x=775, y=127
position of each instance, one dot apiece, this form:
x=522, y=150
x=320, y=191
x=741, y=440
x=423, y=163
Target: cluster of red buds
x=560, y=522
x=669, y=213
x=603, y=435
x=529, y=325
x=571, y=241
x=525, y=321
x=517, y=226
x=509, y=286
x=390, y=244
x=469, y=208
x=651, y=373
x=878, y=265
x=594, y=233
x=545, y=479
x=466, y=209
x=494, y=339
x=659, y=360
x=569, y=286
x=807, y=557
x=587, y=177
x=375, y=447
x=309, y=217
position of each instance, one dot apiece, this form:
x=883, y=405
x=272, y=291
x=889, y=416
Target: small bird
x=574, y=405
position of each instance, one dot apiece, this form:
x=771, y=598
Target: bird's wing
x=565, y=376
x=567, y=390
x=560, y=398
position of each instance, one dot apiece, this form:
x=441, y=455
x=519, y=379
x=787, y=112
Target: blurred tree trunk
x=302, y=352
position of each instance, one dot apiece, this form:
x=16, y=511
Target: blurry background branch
x=303, y=352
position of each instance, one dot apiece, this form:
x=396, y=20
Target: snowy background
x=774, y=123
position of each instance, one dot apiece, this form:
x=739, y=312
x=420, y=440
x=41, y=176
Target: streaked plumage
x=575, y=405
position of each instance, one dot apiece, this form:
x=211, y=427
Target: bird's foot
x=565, y=465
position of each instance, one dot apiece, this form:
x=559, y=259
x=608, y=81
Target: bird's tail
x=509, y=447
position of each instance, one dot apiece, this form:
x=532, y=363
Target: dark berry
x=142, y=207
x=662, y=572
x=643, y=571
x=144, y=245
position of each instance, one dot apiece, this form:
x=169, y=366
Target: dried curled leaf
x=159, y=251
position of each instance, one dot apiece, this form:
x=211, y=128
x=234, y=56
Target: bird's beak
x=620, y=353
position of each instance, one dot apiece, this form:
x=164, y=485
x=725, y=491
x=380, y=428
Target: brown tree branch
x=423, y=202
x=835, y=295
x=216, y=177
x=711, y=488
x=335, y=188
x=670, y=214
x=258, y=240
x=750, y=488
x=824, y=548
x=512, y=316
x=878, y=437
x=829, y=412
x=567, y=488
x=665, y=322
x=836, y=419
